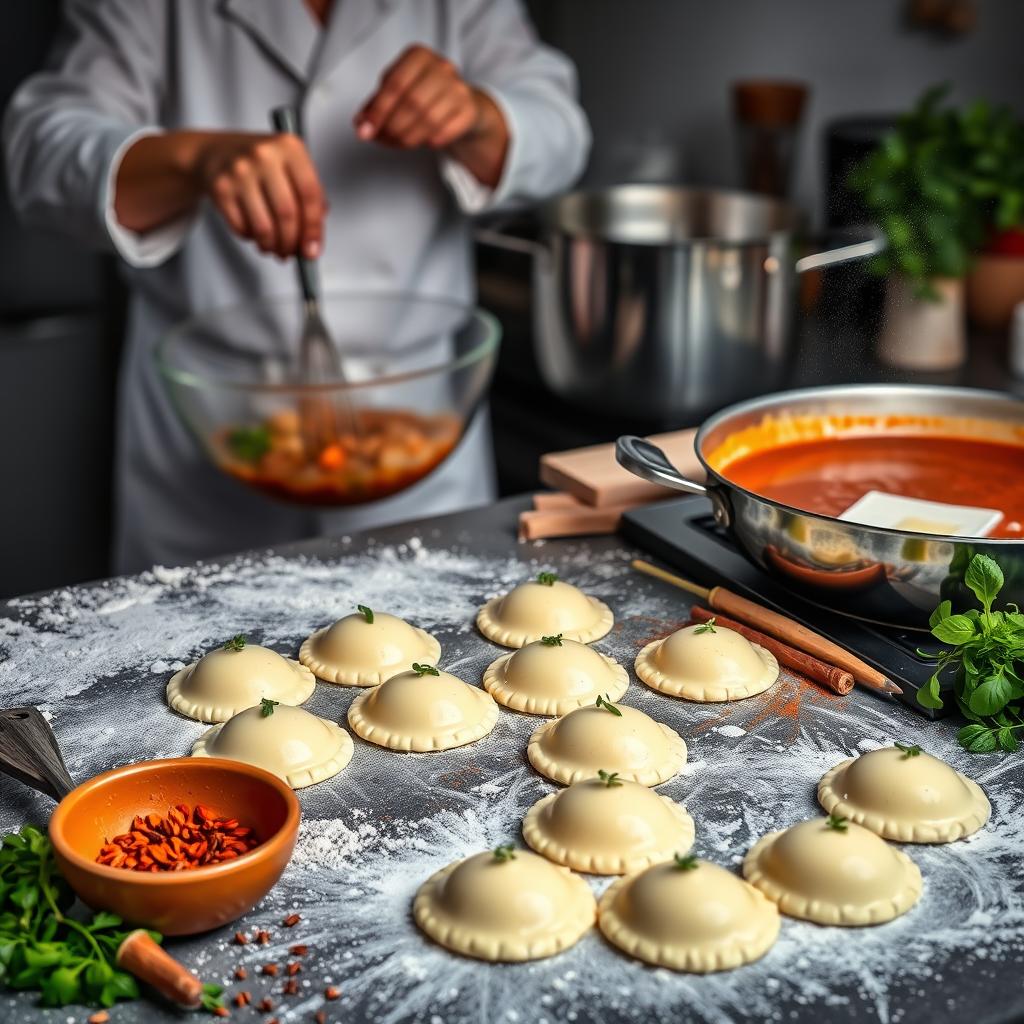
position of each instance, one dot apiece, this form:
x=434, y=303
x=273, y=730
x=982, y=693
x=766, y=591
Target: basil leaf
x=984, y=578
x=928, y=695
x=955, y=629
x=977, y=739
x=991, y=696
x=944, y=610
x=1008, y=741
x=105, y=919
x=61, y=987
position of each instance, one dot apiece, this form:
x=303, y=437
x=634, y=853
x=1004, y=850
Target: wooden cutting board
x=592, y=474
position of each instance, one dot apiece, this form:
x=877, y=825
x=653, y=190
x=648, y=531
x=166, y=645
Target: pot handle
x=29, y=752
x=493, y=234
x=649, y=462
x=871, y=246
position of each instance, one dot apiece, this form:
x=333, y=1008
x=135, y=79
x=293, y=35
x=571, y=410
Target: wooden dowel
x=570, y=522
x=838, y=680
x=546, y=501
x=141, y=956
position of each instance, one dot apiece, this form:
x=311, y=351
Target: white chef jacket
x=397, y=219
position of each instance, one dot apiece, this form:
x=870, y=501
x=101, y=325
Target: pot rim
x=777, y=399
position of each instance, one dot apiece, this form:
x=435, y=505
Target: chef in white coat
x=147, y=134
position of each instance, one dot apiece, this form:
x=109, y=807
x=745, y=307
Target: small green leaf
x=552, y=641
x=105, y=919
x=928, y=696
x=1007, y=740
x=424, y=670
x=606, y=705
x=944, y=610
x=547, y=579
x=908, y=751
x=687, y=863
x=61, y=987
x=707, y=627
x=978, y=739
x=505, y=852
x=836, y=823
x=236, y=643
x=249, y=443
x=991, y=696
x=367, y=613
x=984, y=578
x=955, y=629
x=212, y=997
x=267, y=706
x=609, y=778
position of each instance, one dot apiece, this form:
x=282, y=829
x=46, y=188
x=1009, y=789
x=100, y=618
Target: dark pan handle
x=29, y=752
x=649, y=462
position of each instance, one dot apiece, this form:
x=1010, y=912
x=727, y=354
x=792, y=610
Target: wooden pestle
x=836, y=679
x=138, y=954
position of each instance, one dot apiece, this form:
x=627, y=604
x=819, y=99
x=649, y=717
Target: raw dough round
x=224, y=682
x=607, y=829
x=574, y=747
x=533, y=609
x=699, y=920
x=422, y=712
x=706, y=665
x=523, y=908
x=913, y=798
x=543, y=679
x=355, y=652
x=829, y=876
x=293, y=744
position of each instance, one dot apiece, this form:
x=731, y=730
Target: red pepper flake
x=299, y=950
x=320, y=1017
x=290, y=987
x=241, y=939
x=99, y=1017
x=156, y=843
x=263, y=938
x=292, y=969
x=266, y=1004
x=242, y=999
x=241, y=973
x=221, y=1011
x=331, y=992
x=270, y=969
x=291, y=920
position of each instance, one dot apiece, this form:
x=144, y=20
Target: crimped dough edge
x=494, y=683
x=366, y=729
x=691, y=959
x=558, y=771
x=492, y=628
x=329, y=673
x=824, y=911
x=460, y=939
x=308, y=776
x=649, y=673
x=599, y=864
x=304, y=686
x=903, y=831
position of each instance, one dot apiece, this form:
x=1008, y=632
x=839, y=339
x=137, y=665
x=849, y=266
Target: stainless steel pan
x=671, y=300
x=888, y=576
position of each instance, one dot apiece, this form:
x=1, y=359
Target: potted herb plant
x=939, y=184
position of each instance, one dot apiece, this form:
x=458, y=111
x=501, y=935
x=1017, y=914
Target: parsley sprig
x=367, y=613
x=687, y=863
x=552, y=641
x=236, y=643
x=606, y=705
x=707, y=627
x=68, y=960
x=267, y=706
x=547, y=579
x=609, y=778
x=424, y=670
x=836, y=823
x=984, y=654
x=909, y=751
x=505, y=852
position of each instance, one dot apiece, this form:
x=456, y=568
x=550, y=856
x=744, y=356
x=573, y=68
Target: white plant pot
x=923, y=334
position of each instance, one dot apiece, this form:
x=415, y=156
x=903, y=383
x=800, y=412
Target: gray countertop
x=97, y=658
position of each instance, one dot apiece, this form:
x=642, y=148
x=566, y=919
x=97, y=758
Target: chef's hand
x=265, y=186
x=423, y=101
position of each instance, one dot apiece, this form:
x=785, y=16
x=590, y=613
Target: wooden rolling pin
x=838, y=680
x=778, y=626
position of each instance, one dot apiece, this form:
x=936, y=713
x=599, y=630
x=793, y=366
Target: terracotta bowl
x=183, y=902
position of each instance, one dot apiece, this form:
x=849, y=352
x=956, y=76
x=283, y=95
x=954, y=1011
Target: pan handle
x=871, y=246
x=29, y=752
x=649, y=462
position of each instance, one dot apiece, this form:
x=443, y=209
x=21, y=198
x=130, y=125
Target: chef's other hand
x=265, y=186
x=267, y=189
x=422, y=100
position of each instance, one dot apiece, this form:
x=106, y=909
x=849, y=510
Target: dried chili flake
x=291, y=920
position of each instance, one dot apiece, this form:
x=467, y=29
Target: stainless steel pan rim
x=779, y=399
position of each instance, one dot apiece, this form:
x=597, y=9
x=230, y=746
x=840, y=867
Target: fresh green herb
x=249, y=443
x=552, y=641
x=69, y=960
x=687, y=863
x=236, y=643
x=908, y=751
x=212, y=998
x=547, y=579
x=367, y=613
x=605, y=704
x=504, y=852
x=984, y=657
x=837, y=824
x=707, y=627
x=267, y=706
x=424, y=670
x=609, y=778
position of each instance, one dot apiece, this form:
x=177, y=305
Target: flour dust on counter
x=97, y=658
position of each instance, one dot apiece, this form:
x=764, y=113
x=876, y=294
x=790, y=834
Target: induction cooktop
x=683, y=534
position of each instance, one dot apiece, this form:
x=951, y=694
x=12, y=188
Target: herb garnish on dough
x=236, y=643
x=908, y=751
x=606, y=705
x=836, y=823
x=267, y=706
x=609, y=778
x=687, y=863
x=552, y=641
x=547, y=579
x=367, y=613
x=707, y=627
x=504, y=852
x=424, y=670
x=985, y=650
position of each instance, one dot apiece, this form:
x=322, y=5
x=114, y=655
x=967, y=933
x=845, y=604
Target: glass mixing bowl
x=415, y=371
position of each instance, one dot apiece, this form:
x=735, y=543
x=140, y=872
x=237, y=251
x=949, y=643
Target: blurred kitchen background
x=657, y=80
